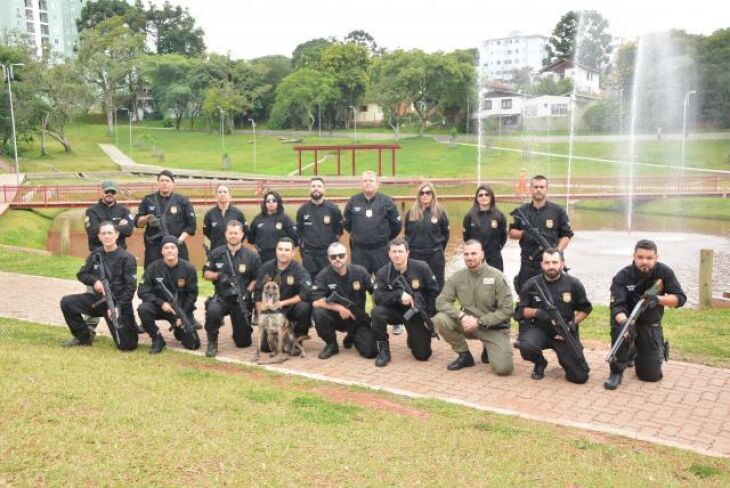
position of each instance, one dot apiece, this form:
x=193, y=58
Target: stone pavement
x=689, y=409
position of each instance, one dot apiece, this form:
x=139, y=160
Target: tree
x=174, y=32
x=548, y=86
x=713, y=57
x=18, y=49
x=362, y=38
x=172, y=85
x=300, y=95
x=108, y=53
x=272, y=69
x=349, y=65
x=593, y=37
x=309, y=54
x=93, y=13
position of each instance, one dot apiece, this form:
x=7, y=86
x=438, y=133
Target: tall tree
x=93, y=13
x=300, y=96
x=349, y=64
x=590, y=29
x=309, y=54
x=174, y=31
x=713, y=56
x=170, y=76
x=364, y=39
x=273, y=69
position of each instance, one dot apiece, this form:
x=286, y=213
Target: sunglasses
x=337, y=256
x=425, y=192
x=110, y=192
x=482, y=195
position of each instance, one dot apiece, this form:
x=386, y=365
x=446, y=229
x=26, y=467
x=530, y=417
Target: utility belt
x=437, y=249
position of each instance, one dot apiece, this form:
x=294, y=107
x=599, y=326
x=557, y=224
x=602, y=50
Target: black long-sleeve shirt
x=567, y=294
x=319, y=225
x=430, y=233
x=215, y=221
x=175, y=212
x=267, y=229
x=490, y=230
x=246, y=266
x=181, y=280
x=120, y=268
x=293, y=280
x=101, y=212
x=552, y=222
x=371, y=222
x=354, y=285
x=419, y=277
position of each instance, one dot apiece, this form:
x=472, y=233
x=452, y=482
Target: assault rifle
x=337, y=299
x=576, y=348
x=236, y=287
x=628, y=331
x=108, y=298
x=542, y=243
x=418, y=307
x=172, y=300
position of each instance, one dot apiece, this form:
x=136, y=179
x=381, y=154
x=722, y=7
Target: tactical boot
x=196, y=324
x=330, y=349
x=614, y=379
x=347, y=341
x=538, y=372
x=383, y=357
x=485, y=356
x=158, y=344
x=77, y=341
x=212, y=350
x=398, y=329
x=464, y=360
x=92, y=332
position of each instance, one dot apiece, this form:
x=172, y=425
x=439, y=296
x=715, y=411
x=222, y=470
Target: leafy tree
x=18, y=49
x=174, y=32
x=593, y=37
x=93, y=13
x=309, y=54
x=548, y=86
x=364, y=39
x=602, y=116
x=300, y=95
x=170, y=77
x=272, y=69
x=522, y=78
x=349, y=65
x=713, y=56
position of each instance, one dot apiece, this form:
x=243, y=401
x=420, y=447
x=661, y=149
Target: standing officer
x=338, y=298
x=233, y=269
x=569, y=297
x=395, y=301
x=484, y=312
x=119, y=268
x=271, y=225
x=165, y=213
x=547, y=219
x=180, y=278
x=627, y=288
x=295, y=286
x=216, y=219
x=487, y=224
x=372, y=219
x=319, y=223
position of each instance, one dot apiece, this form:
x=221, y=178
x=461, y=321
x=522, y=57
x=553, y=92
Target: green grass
x=96, y=416
x=703, y=208
x=26, y=228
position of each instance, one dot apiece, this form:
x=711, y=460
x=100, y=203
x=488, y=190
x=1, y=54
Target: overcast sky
x=253, y=28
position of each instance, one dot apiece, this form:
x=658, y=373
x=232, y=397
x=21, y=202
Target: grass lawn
x=176, y=419
x=707, y=208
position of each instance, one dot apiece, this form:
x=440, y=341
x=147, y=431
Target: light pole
x=223, y=137
x=354, y=120
x=114, y=124
x=129, y=115
x=253, y=130
x=8, y=74
x=684, y=125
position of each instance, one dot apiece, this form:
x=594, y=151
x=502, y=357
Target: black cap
x=168, y=240
x=166, y=172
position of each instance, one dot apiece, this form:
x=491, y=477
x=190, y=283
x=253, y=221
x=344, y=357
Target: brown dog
x=279, y=332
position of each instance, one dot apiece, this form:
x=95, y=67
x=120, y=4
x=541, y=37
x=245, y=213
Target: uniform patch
x=289, y=280
x=241, y=268
x=566, y=297
x=494, y=223
x=549, y=223
x=368, y=213
x=356, y=285
x=181, y=283
x=173, y=209
x=279, y=226
x=415, y=283
x=214, y=224
x=326, y=219
x=434, y=220
x=488, y=281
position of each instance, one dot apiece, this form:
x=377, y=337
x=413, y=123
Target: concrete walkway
x=689, y=409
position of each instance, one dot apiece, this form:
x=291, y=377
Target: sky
x=252, y=28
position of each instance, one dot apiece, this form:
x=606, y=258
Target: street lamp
x=684, y=124
x=354, y=120
x=8, y=74
x=253, y=129
x=129, y=115
x=223, y=139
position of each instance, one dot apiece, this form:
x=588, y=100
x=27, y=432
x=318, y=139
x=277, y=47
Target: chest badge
x=181, y=283
x=289, y=280
x=241, y=268
x=368, y=213
x=356, y=285
x=173, y=209
x=415, y=283
x=494, y=223
x=326, y=219
x=278, y=226
x=549, y=223
x=566, y=297
x=434, y=220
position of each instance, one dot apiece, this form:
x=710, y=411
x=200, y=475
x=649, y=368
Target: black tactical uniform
x=552, y=222
x=427, y=239
x=389, y=309
x=120, y=268
x=371, y=224
x=246, y=265
x=100, y=212
x=568, y=296
x=267, y=229
x=176, y=216
x=491, y=231
x=627, y=288
x=353, y=286
x=182, y=281
x=318, y=226
x=293, y=280
x=215, y=222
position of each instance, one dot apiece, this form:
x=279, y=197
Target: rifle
x=542, y=243
x=108, y=298
x=238, y=291
x=576, y=348
x=630, y=325
x=172, y=300
x=336, y=298
x=418, y=307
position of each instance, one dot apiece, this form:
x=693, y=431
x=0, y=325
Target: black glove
x=651, y=301
x=542, y=315
x=223, y=279
x=153, y=222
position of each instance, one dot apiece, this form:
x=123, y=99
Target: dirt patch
x=373, y=401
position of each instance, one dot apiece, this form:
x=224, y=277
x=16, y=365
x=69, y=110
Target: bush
x=168, y=123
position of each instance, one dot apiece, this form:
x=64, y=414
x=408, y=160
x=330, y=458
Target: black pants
x=495, y=261
x=328, y=322
x=153, y=252
x=74, y=306
x=435, y=260
x=314, y=261
x=528, y=269
x=649, y=352
x=300, y=315
x=216, y=308
x=149, y=312
x=419, y=338
x=535, y=339
x=371, y=258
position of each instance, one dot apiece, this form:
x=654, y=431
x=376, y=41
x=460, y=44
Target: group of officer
x=405, y=276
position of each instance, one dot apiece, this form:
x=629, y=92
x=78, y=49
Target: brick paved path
x=690, y=408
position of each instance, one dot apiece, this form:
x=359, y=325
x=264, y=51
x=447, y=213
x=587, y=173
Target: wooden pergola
x=352, y=149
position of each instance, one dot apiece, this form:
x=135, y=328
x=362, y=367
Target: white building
x=504, y=105
x=499, y=56
x=585, y=79
x=546, y=106
x=369, y=113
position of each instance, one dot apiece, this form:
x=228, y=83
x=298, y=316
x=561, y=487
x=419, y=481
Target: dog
x=279, y=331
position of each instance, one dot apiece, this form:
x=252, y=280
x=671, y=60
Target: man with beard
x=319, y=222
x=568, y=296
x=627, y=288
x=485, y=307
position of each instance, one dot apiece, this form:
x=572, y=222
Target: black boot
x=347, y=341
x=485, y=356
x=383, y=357
x=464, y=360
x=212, y=350
x=614, y=379
x=77, y=341
x=330, y=349
x=158, y=344
x=538, y=372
